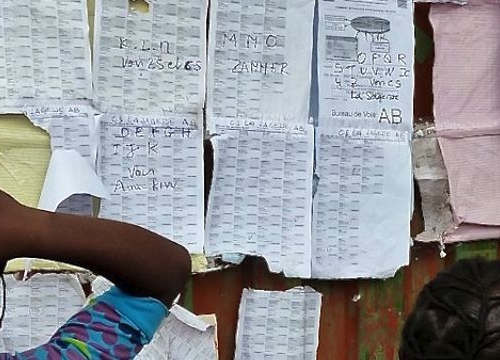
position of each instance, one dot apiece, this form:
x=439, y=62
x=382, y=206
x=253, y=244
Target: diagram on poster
x=365, y=54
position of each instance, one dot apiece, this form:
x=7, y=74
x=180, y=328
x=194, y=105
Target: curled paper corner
x=356, y=298
x=69, y=174
x=189, y=318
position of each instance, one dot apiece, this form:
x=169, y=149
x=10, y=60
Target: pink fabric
x=467, y=109
x=470, y=232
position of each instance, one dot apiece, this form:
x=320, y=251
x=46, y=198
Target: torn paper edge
x=234, y=257
x=426, y=132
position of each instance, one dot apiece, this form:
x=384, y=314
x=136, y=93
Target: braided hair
x=457, y=315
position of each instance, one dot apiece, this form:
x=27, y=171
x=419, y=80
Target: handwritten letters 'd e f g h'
x=258, y=74
x=153, y=170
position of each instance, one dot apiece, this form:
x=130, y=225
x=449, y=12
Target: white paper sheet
x=71, y=127
x=432, y=179
x=182, y=336
x=259, y=59
x=37, y=308
x=68, y=174
x=153, y=170
x=361, y=216
x=278, y=324
x=46, y=52
x=150, y=62
x=260, y=201
x=365, y=63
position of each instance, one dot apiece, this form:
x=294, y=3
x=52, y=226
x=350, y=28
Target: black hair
x=457, y=315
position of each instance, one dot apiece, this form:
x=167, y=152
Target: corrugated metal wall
x=369, y=327
x=365, y=329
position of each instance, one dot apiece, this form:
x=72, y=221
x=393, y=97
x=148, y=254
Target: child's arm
x=138, y=261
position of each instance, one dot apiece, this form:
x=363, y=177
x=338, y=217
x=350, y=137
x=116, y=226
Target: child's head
x=457, y=315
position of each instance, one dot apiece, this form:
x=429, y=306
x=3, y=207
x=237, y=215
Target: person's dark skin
x=137, y=260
